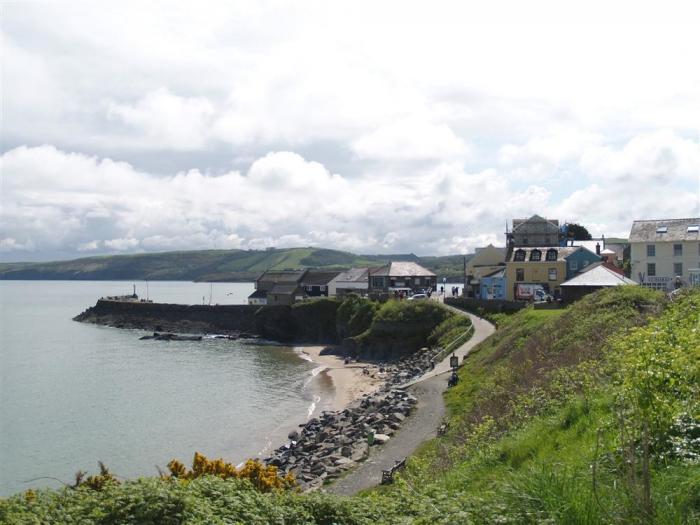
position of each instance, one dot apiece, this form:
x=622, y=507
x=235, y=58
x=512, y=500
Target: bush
x=354, y=316
x=399, y=328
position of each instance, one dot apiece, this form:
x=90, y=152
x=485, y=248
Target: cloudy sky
x=364, y=126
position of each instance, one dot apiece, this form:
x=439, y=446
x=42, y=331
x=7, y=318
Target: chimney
x=597, y=248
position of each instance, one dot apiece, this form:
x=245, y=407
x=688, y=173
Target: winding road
x=417, y=428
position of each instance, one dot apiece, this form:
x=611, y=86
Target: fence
x=453, y=345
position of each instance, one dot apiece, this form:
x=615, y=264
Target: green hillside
x=589, y=415
x=214, y=265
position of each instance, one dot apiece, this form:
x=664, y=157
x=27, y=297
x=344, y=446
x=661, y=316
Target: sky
x=372, y=127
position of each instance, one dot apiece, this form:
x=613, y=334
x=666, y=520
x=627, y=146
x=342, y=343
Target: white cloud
x=9, y=244
x=281, y=200
x=168, y=121
x=121, y=245
x=90, y=246
x=411, y=139
x=661, y=157
x=428, y=139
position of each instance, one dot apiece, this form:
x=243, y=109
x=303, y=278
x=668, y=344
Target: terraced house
x=548, y=266
x=665, y=253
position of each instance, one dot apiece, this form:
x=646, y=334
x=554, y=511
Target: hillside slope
x=214, y=265
x=582, y=416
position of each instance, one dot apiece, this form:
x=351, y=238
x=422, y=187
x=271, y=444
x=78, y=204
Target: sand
x=348, y=380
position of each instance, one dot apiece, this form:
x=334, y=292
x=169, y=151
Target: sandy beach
x=348, y=380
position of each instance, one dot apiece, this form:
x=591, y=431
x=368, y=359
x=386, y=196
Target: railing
x=453, y=345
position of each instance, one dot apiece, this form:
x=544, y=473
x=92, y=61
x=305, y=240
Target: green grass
x=535, y=435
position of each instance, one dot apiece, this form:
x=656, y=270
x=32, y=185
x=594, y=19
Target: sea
x=73, y=394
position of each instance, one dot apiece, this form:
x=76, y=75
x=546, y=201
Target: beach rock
x=359, y=451
x=381, y=438
x=397, y=416
x=344, y=462
x=318, y=469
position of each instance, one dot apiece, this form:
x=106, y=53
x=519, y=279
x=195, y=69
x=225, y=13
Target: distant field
x=215, y=265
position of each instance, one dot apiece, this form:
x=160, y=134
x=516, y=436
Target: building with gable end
x=665, y=253
x=485, y=261
x=400, y=277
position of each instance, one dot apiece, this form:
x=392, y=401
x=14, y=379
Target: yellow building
x=546, y=266
x=485, y=261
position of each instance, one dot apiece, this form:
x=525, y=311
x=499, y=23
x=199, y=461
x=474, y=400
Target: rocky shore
x=324, y=447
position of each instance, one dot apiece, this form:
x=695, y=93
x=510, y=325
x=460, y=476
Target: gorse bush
x=262, y=477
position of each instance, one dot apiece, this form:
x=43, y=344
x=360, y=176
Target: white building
x=662, y=250
x=354, y=280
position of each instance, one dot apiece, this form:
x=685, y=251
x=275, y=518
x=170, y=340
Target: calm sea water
x=72, y=394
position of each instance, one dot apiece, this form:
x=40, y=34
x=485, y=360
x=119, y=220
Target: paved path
x=419, y=427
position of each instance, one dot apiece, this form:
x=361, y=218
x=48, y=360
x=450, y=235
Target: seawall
x=172, y=317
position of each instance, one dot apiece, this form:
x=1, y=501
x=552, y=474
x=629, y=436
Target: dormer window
x=662, y=229
x=535, y=255
x=551, y=255
x=519, y=255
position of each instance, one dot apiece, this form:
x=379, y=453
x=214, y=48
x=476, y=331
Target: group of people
x=455, y=291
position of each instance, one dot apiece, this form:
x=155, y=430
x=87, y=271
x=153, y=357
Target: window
x=678, y=250
x=677, y=269
x=525, y=241
x=585, y=263
x=519, y=255
x=662, y=229
x=377, y=282
x=694, y=228
x=535, y=255
x=574, y=265
x=651, y=250
x=552, y=274
x=551, y=255
x=519, y=274
x=651, y=269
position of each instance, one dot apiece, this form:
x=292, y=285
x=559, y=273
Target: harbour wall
x=164, y=317
x=310, y=322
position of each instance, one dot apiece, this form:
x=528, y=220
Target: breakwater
x=173, y=317
x=310, y=322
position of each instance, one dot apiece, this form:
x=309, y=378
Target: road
x=420, y=426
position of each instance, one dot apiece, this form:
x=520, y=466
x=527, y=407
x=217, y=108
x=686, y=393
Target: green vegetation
x=580, y=416
x=399, y=328
x=214, y=265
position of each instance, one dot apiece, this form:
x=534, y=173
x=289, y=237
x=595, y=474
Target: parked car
x=418, y=297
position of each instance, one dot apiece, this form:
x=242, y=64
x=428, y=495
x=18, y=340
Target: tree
x=578, y=232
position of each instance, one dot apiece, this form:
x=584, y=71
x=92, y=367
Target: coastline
x=349, y=382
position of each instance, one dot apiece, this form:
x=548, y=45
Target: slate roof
x=402, y=269
x=562, y=252
x=258, y=294
x=498, y=273
x=353, y=275
x=589, y=245
x=282, y=276
x=535, y=219
x=284, y=289
x=598, y=275
x=318, y=277
x=677, y=230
